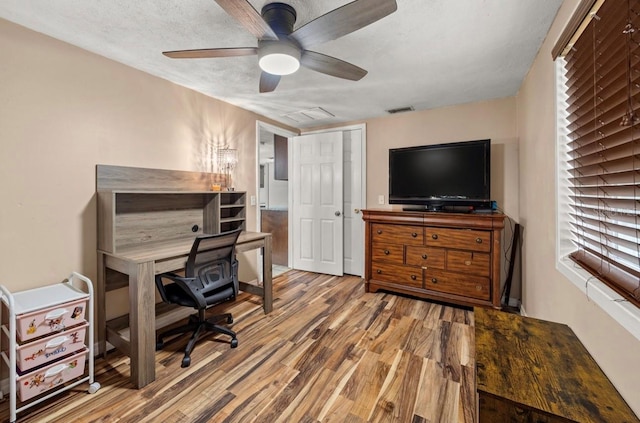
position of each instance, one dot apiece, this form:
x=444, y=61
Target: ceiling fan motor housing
x=280, y=17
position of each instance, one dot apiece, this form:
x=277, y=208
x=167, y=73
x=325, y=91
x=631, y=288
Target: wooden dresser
x=531, y=370
x=450, y=257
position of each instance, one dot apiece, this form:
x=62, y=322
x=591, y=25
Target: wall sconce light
x=227, y=161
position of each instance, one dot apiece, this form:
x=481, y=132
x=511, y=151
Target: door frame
x=260, y=125
x=287, y=133
x=363, y=170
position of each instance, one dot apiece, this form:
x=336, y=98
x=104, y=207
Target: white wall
x=278, y=190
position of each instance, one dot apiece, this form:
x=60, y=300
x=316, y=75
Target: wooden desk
x=135, y=334
x=531, y=370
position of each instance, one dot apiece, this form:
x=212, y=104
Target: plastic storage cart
x=48, y=344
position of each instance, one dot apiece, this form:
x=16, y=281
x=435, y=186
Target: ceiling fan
x=281, y=50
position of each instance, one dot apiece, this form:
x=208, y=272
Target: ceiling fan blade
x=211, y=52
x=249, y=18
x=268, y=82
x=331, y=66
x=342, y=21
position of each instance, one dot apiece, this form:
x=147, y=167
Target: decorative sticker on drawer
x=41, y=378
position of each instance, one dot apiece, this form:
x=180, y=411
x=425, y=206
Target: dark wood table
x=531, y=370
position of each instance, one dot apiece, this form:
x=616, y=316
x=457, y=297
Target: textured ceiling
x=429, y=53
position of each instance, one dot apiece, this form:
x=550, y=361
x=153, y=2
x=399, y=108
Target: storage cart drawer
x=52, y=376
x=40, y=352
x=50, y=320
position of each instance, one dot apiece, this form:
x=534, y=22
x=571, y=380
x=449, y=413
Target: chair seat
x=177, y=295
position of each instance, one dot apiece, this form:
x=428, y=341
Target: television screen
x=440, y=175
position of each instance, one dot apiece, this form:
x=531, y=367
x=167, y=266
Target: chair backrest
x=211, y=248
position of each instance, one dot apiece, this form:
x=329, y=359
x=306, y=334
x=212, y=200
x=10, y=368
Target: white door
x=353, y=202
x=317, y=203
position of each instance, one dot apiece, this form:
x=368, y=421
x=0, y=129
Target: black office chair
x=211, y=277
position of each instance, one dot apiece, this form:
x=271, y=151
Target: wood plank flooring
x=329, y=352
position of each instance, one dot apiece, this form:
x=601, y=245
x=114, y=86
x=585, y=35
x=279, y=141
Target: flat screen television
x=441, y=176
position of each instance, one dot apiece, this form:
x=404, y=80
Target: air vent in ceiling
x=401, y=110
x=308, y=115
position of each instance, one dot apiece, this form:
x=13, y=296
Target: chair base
x=199, y=326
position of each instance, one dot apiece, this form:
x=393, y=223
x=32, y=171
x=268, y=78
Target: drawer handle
x=413, y=277
x=56, y=342
x=379, y=271
x=56, y=314
x=478, y=287
x=386, y=252
x=434, y=280
x=479, y=240
x=434, y=236
x=379, y=231
x=424, y=256
x=56, y=370
x=467, y=262
x=414, y=234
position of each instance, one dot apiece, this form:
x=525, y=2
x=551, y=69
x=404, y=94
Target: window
x=600, y=144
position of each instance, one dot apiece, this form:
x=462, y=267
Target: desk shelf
x=232, y=211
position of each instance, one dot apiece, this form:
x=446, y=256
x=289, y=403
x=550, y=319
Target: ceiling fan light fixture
x=278, y=57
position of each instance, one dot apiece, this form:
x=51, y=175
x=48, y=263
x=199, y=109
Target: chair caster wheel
x=230, y=319
x=186, y=361
x=234, y=343
x=159, y=345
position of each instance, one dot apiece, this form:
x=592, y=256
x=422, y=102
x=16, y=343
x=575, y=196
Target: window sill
x=626, y=314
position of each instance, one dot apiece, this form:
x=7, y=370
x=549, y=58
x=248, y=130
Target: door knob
x=356, y=211
x=337, y=213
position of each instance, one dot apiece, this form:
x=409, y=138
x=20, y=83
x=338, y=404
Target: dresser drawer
x=397, y=234
x=49, y=377
x=463, y=239
x=50, y=320
x=458, y=284
x=44, y=350
x=393, y=253
x=430, y=258
x=469, y=262
x=402, y=275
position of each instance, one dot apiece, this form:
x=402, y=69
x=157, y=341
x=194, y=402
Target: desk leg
x=142, y=323
x=101, y=306
x=267, y=276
